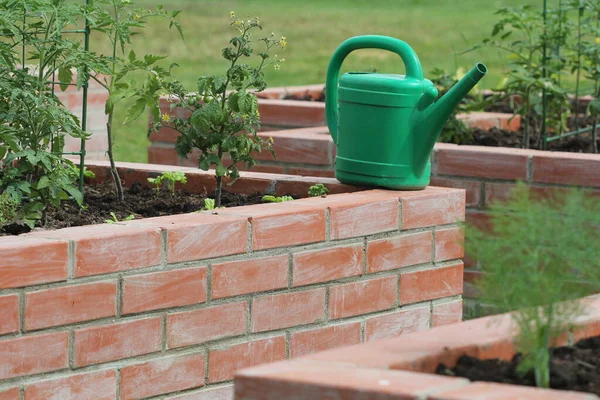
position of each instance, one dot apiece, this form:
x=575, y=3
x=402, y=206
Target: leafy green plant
x=521, y=33
x=33, y=122
x=539, y=258
x=8, y=209
x=455, y=130
x=224, y=118
x=317, y=190
x=278, y=199
x=118, y=20
x=169, y=178
x=113, y=218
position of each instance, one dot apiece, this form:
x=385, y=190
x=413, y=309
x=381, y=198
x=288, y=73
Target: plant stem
x=113, y=168
x=577, y=79
x=218, y=191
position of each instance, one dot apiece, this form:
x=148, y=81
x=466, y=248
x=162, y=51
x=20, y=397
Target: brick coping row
x=402, y=368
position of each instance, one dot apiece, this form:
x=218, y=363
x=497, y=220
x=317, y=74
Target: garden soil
x=572, y=368
x=141, y=202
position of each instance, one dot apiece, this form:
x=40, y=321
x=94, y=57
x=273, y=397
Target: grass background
x=437, y=30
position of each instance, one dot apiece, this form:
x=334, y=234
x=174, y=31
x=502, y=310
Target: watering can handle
x=408, y=55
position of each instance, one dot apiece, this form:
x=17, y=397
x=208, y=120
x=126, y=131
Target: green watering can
x=385, y=126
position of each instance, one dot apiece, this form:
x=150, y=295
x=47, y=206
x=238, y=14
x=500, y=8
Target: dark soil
x=572, y=368
x=141, y=202
x=499, y=137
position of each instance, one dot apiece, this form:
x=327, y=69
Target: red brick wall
x=175, y=305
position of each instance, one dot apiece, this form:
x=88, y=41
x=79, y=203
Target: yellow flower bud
x=166, y=117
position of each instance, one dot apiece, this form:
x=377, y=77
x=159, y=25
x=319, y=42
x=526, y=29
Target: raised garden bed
x=404, y=367
x=487, y=173
x=172, y=306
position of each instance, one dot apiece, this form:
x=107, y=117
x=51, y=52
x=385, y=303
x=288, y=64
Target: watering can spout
x=432, y=118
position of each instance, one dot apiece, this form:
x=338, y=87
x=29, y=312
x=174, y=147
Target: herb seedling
x=273, y=199
x=318, y=190
x=170, y=179
x=539, y=258
x=115, y=220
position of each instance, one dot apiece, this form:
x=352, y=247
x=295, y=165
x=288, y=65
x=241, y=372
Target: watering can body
x=385, y=125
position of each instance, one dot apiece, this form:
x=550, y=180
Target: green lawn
x=436, y=29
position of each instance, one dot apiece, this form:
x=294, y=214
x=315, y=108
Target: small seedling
x=115, y=220
x=273, y=199
x=318, y=190
x=209, y=204
x=168, y=178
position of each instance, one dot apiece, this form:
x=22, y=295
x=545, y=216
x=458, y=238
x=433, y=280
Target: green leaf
x=220, y=170
x=132, y=56
x=65, y=76
x=232, y=102
x=200, y=120
x=136, y=110
x=150, y=59
x=594, y=107
x=204, y=164
x=44, y=182
x=75, y=193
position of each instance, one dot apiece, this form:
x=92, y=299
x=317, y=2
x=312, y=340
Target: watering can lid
x=383, y=83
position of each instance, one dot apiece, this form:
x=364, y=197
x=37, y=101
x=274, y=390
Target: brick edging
x=403, y=366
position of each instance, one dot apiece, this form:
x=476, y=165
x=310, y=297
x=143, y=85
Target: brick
x=288, y=309
x=299, y=185
x=431, y=284
x=98, y=344
x=473, y=188
x=482, y=162
x=162, y=155
x=106, y=248
x=315, y=340
x=447, y=313
x=362, y=297
x=398, y=252
x=249, y=276
x=217, y=393
x=303, y=379
x=10, y=394
x=35, y=354
x=164, y=289
x=286, y=113
x=200, y=236
x=302, y=146
x=70, y=304
x=326, y=265
x=566, y=168
x=352, y=219
x=270, y=169
x=433, y=209
x=397, y=323
x=325, y=173
x=252, y=182
x=207, y=324
x=497, y=391
x=98, y=385
x=160, y=376
x=9, y=313
x=280, y=225
x=19, y=268
x=224, y=362
x=449, y=244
